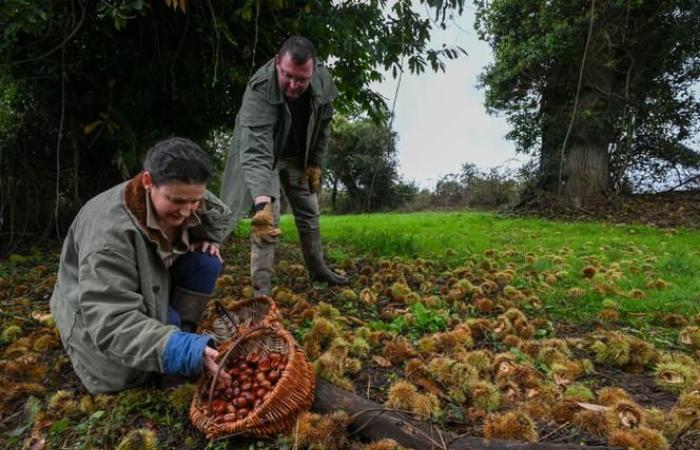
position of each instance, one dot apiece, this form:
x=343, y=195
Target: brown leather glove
x=262, y=230
x=312, y=175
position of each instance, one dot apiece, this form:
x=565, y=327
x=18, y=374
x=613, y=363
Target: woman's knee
x=208, y=264
x=201, y=263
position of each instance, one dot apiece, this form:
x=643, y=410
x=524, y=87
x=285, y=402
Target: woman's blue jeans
x=195, y=271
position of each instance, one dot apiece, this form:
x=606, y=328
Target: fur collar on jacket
x=135, y=204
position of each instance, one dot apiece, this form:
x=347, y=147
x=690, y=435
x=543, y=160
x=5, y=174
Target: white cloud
x=440, y=117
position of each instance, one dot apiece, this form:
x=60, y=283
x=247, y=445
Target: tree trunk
x=586, y=169
x=586, y=174
x=334, y=194
x=582, y=140
x=553, y=112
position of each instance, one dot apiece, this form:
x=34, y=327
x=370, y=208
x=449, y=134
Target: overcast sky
x=440, y=117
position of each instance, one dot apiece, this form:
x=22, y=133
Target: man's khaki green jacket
x=261, y=130
x=111, y=297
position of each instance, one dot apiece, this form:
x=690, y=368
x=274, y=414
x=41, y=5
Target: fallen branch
x=408, y=432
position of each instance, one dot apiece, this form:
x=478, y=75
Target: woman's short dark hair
x=177, y=159
x=300, y=49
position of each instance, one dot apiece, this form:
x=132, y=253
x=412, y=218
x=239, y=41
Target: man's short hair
x=177, y=159
x=300, y=49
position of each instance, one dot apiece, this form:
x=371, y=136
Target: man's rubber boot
x=190, y=305
x=262, y=260
x=313, y=257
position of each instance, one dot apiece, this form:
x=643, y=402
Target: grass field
x=640, y=256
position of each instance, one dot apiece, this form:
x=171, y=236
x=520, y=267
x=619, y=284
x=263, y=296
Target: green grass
x=644, y=254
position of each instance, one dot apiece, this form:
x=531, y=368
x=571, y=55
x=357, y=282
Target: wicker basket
x=293, y=393
x=242, y=316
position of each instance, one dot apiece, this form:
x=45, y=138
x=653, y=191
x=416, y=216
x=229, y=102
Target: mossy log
x=373, y=422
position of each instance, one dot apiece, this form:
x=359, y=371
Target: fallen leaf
x=381, y=361
x=593, y=407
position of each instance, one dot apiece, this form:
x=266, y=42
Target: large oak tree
x=598, y=88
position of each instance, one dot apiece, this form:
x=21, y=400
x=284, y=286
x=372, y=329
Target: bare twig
x=551, y=433
x=59, y=138
x=59, y=46
x=11, y=416
x=391, y=122
x=177, y=53
x=685, y=430
x=681, y=184
x=255, y=39
x=218, y=40
x=442, y=440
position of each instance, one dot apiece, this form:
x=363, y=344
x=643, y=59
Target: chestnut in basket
x=219, y=407
x=253, y=378
x=264, y=364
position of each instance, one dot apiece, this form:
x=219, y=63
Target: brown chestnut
x=252, y=358
x=264, y=364
x=273, y=376
x=219, y=407
x=241, y=402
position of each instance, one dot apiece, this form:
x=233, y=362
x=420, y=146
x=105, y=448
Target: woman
x=137, y=269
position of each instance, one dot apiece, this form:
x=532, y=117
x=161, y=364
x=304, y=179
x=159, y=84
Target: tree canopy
x=362, y=165
x=607, y=84
x=87, y=86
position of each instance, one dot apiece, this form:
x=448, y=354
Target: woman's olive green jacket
x=111, y=297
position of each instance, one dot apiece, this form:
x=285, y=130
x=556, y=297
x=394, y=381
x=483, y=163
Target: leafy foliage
x=423, y=320
x=363, y=168
x=636, y=107
x=478, y=188
x=86, y=87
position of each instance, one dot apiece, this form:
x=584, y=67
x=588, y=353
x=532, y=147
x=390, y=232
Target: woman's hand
x=207, y=247
x=212, y=367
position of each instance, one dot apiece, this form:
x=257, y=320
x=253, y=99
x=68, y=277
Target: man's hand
x=312, y=175
x=209, y=361
x=262, y=230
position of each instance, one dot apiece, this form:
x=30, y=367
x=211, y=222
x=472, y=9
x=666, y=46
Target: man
x=280, y=137
x=137, y=269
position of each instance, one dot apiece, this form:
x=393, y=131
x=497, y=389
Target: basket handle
x=240, y=338
x=224, y=312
